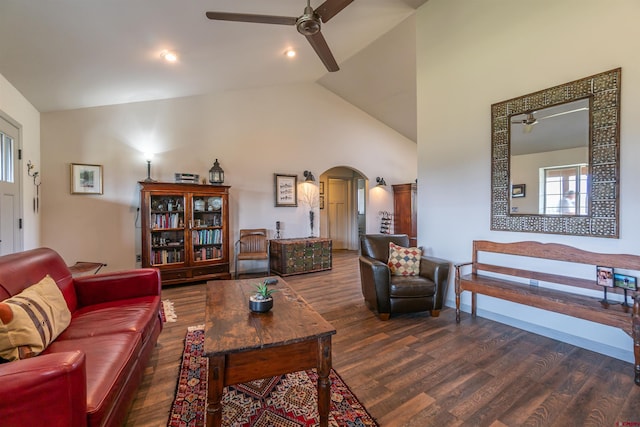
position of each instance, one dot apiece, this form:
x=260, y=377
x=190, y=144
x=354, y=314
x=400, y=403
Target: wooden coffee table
x=244, y=346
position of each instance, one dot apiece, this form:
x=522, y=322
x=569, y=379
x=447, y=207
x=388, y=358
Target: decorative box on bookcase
x=185, y=231
x=303, y=255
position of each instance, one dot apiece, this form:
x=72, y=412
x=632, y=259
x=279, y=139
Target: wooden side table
x=300, y=255
x=85, y=267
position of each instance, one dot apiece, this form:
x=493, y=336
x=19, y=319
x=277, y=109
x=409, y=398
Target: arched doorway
x=342, y=206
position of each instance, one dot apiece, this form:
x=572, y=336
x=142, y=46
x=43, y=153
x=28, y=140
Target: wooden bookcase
x=185, y=231
x=405, y=211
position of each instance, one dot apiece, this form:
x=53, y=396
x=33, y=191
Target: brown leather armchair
x=388, y=294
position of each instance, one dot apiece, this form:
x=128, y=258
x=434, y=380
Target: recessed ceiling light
x=169, y=55
x=290, y=53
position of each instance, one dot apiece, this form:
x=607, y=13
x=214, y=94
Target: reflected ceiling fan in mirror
x=308, y=24
x=530, y=120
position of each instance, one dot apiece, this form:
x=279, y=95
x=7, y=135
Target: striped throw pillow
x=33, y=318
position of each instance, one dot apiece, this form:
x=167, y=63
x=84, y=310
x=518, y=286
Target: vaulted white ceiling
x=68, y=54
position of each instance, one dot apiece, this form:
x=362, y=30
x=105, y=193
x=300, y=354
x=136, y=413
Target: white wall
x=253, y=133
x=472, y=54
x=15, y=108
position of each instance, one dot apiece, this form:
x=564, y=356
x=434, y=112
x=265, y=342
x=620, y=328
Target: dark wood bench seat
x=512, y=284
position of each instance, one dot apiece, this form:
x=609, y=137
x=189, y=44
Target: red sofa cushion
x=133, y=315
x=107, y=371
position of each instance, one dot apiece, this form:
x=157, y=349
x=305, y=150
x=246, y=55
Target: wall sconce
x=381, y=182
x=216, y=174
x=309, y=177
x=149, y=157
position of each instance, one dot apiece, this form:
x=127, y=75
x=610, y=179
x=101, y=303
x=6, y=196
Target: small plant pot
x=260, y=306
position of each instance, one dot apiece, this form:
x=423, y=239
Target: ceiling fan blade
x=331, y=8
x=321, y=47
x=247, y=17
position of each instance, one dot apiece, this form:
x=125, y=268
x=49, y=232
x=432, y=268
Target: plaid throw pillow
x=404, y=261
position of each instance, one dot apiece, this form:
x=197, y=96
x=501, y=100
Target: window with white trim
x=6, y=158
x=565, y=190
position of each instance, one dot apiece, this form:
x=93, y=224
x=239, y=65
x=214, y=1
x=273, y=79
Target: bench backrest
x=550, y=251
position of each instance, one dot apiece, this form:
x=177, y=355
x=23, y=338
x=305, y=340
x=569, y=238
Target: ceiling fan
x=531, y=120
x=308, y=24
x=528, y=122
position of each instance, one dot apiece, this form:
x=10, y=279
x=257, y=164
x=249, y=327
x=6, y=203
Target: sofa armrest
x=436, y=270
x=375, y=279
x=107, y=287
x=49, y=389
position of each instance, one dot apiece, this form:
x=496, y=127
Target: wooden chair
x=252, y=245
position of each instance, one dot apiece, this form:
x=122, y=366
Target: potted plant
x=261, y=301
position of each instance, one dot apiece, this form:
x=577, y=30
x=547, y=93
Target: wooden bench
x=502, y=282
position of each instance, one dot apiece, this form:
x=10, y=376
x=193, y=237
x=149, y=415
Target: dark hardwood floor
x=414, y=370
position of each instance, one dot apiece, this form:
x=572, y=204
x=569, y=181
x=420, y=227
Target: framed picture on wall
x=322, y=202
x=86, y=179
x=286, y=190
x=518, y=190
x=321, y=187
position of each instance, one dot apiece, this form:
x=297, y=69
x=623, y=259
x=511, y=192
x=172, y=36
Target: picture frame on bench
x=604, y=276
x=625, y=282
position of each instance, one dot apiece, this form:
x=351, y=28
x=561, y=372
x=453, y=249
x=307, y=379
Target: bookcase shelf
x=185, y=231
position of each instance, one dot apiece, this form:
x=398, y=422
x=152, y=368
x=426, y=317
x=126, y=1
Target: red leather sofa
x=89, y=374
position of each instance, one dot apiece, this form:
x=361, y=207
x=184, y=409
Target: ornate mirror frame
x=604, y=158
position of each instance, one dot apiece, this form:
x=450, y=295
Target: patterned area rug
x=167, y=312
x=283, y=401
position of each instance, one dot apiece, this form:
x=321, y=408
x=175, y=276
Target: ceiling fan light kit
x=169, y=55
x=308, y=24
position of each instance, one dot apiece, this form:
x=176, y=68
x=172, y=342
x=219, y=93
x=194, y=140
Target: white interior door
x=10, y=232
x=339, y=217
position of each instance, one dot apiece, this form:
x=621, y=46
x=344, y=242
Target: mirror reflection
x=595, y=181
x=549, y=160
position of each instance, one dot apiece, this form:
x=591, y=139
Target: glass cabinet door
x=167, y=229
x=207, y=230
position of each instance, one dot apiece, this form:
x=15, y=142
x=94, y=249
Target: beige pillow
x=33, y=318
x=404, y=261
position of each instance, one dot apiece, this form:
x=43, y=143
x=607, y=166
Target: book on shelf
x=165, y=220
x=207, y=237
x=206, y=253
x=167, y=256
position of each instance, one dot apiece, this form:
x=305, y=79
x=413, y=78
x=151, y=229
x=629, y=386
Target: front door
x=10, y=233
